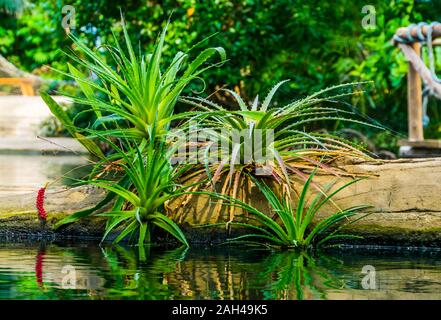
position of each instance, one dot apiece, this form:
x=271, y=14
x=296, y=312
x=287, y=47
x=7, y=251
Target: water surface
x=88, y=271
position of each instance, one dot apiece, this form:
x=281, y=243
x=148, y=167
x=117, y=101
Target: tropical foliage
x=153, y=183
x=133, y=88
x=132, y=97
x=133, y=102
x=269, y=138
x=316, y=44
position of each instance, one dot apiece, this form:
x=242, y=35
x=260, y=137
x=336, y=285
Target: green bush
x=315, y=44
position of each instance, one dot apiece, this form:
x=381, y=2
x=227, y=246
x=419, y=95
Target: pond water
x=27, y=172
x=88, y=271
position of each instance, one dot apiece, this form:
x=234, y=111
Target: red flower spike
x=39, y=268
x=42, y=214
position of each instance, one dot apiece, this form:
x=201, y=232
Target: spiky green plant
x=294, y=226
x=147, y=182
x=131, y=89
x=133, y=98
x=295, y=145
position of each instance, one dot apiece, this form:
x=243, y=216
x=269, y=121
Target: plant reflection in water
x=151, y=273
x=45, y=271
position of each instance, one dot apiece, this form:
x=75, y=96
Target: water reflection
x=297, y=276
x=50, y=271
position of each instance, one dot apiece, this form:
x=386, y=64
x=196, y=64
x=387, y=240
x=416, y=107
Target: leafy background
x=314, y=43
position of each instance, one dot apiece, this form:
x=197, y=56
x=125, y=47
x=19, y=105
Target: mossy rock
x=19, y=217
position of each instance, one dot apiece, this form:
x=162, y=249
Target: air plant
x=293, y=148
x=133, y=98
x=294, y=225
x=131, y=89
x=145, y=183
x=133, y=101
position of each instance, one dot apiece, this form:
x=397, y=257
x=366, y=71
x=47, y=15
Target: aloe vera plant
x=294, y=225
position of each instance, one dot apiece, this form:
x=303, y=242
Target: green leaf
x=62, y=116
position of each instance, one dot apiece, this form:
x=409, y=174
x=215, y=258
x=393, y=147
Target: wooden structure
x=27, y=89
x=416, y=145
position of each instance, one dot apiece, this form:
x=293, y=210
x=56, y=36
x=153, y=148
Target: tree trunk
x=12, y=71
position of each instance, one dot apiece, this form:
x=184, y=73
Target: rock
x=404, y=195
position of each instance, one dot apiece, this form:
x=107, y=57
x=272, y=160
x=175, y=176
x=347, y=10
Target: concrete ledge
x=19, y=218
x=404, y=194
